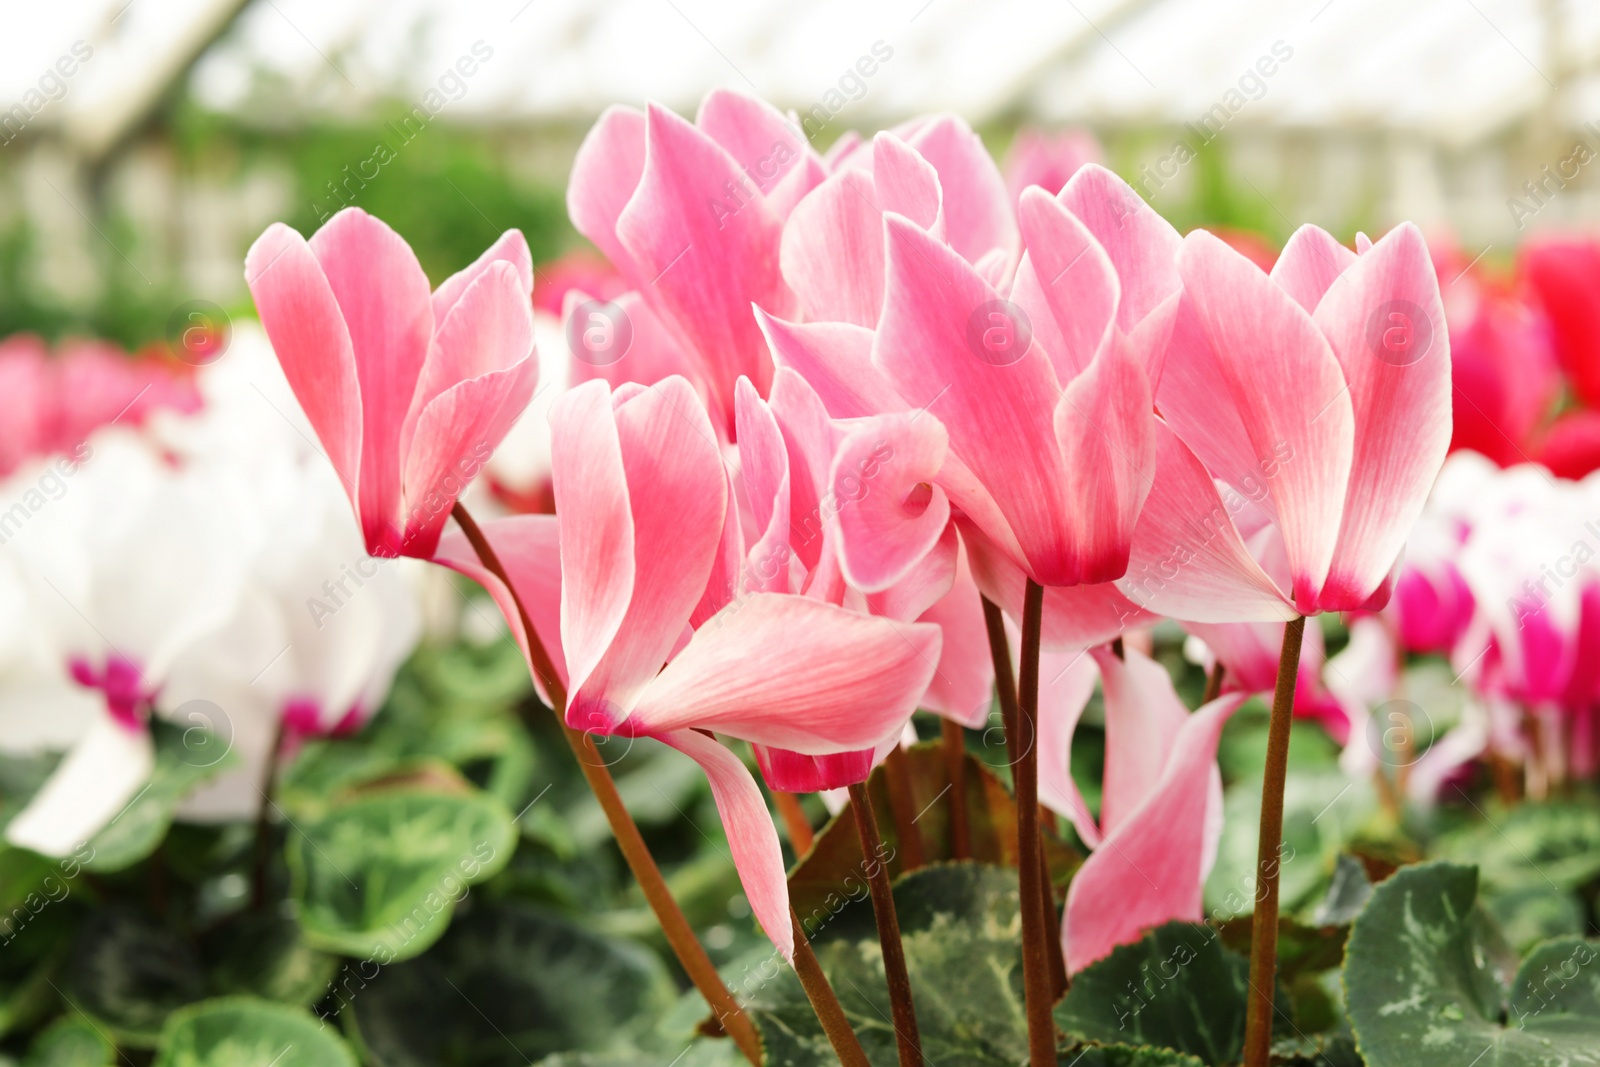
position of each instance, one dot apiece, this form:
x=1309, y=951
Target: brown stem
x=902, y=809
x=1264, y=927
x=1052, y=920
x=269, y=789
x=824, y=1001
x=907, y=1040
x=795, y=823
x=1005, y=684
x=1035, y=964
x=680, y=935
x=1213, y=683
x=955, y=762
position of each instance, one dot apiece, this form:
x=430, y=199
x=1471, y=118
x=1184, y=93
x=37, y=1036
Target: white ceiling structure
x=1452, y=71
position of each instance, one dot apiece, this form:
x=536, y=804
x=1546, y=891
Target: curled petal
x=888, y=513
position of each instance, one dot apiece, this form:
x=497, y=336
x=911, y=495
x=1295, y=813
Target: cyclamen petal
x=795, y=673
x=1278, y=372
x=832, y=250
x=705, y=258
x=302, y=319
x=753, y=839
x=998, y=408
x=1151, y=869
x=1385, y=322
x=675, y=489
x=887, y=511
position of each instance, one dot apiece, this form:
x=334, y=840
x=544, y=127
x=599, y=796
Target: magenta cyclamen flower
x=409, y=391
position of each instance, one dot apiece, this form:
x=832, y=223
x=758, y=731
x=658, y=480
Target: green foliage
x=380, y=875
x=182, y=762
x=1176, y=989
x=508, y=985
x=962, y=933
x=1429, y=981
x=244, y=1032
x=72, y=1042
x=1550, y=845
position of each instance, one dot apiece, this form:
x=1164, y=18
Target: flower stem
x=824, y=1001
x=1005, y=684
x=907, y=1040
x=1052, y=919
x=1036, y=982
x=955, y=761
x=795, y=823
x=1213, y=683
x=680, y=935
x=268, y=789
x=1264, y=927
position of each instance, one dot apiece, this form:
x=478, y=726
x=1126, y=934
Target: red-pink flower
x=1564, y=273
x=409, y=391
x=807, y=478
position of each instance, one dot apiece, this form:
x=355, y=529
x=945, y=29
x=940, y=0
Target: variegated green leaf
x=1426, y=982
x=246, y=1032
x=380, y=875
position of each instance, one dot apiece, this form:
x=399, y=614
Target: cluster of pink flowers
x=50, y=403
x=840, y=404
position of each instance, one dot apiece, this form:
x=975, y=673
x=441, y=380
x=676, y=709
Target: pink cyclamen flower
x=691, y=214
x=409, y=391
x=1048, y=160
x=805, y=477
x=1318, y=398
x=1046, y=393
x=1161, y=805
x=49, y=404
x=641, y=502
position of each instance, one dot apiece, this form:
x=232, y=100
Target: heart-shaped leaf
x=266, y=955
x=246, y=1032
x=378, y=876
x=72, y=1042
x=962, y=933
x=1426, y=986
x=1549, y=844
x=129, y=973
x=1176, y=988
x=507, y=985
